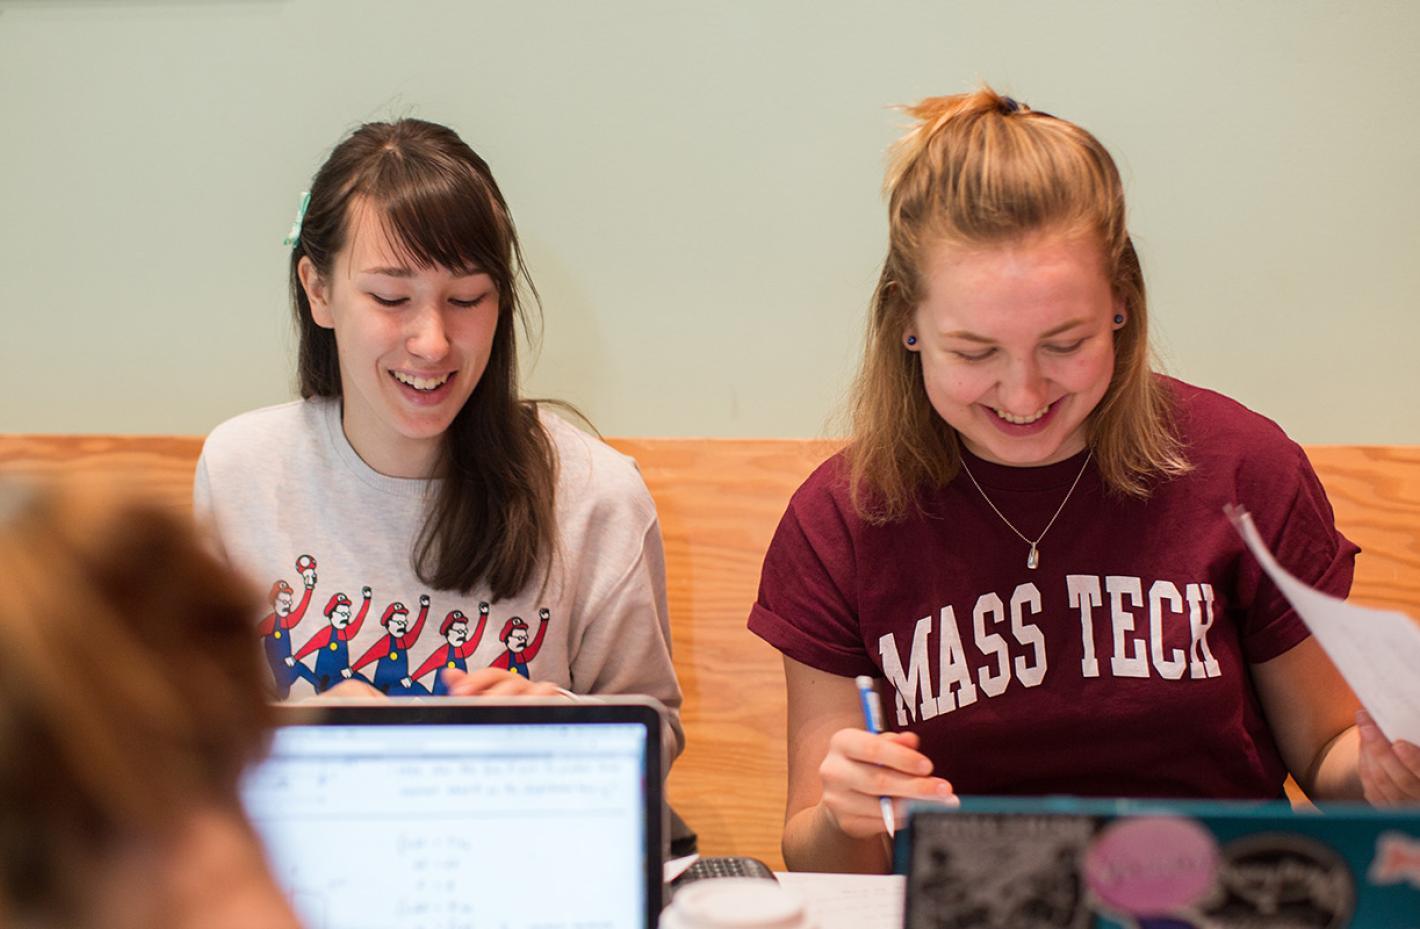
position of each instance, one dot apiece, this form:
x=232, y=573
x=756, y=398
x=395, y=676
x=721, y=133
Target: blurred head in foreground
x=131, y=702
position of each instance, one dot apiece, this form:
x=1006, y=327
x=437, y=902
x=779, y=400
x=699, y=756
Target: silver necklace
x=1033, y=559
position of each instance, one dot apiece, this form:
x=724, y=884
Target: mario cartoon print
x=518, y=652
x=392, y=651
x=459, y=646
x=332, y=644
x=275, y=628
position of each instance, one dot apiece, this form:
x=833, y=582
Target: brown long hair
x=492, y=516
x=130, y=695
x=979, y=170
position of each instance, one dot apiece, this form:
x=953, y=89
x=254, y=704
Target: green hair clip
x=294, y=235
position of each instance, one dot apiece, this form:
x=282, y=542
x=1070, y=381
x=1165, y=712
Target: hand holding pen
x=873, y=719
x=866, y=770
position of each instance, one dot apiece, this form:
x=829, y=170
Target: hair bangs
x=442, y=214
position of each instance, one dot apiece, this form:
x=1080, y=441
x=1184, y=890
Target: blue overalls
x=277, y=646
x=440, y=688
x=392, y=670
x=330, y=661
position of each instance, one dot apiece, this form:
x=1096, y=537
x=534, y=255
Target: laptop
x=463, y=813
x=1063, y=863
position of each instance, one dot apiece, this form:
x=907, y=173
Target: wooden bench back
x=719, y=501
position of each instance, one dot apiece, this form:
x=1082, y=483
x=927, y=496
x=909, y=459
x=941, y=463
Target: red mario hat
x=338, y=600
x=515, y=623
x=391, y=610
x=279, y=587
x=455, y=617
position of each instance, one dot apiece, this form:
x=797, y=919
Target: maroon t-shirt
x=1119, y=667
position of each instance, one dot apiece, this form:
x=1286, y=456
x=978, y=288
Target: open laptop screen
x=464, y=815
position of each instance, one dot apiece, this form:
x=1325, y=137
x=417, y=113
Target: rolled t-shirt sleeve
x=1300, y=529
x=807, y=605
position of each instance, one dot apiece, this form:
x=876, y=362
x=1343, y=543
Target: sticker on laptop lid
x=1282, y=879
x=1152, y=865
x=986, y=870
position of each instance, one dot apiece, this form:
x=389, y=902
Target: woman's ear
x=317, y=292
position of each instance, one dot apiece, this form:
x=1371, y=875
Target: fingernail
x=944, y=789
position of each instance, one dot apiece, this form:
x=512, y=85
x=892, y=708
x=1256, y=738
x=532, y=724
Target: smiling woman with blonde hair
x=1025, y=538
x=131, y=702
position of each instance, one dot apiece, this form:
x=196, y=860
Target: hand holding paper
x=1390, y=771
x=1378, y=653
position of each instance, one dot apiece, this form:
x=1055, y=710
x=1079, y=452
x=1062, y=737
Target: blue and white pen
x=873, y=718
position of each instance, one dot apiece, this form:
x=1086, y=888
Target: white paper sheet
x=849, y=901
x=673, y=868
x=1377, y=651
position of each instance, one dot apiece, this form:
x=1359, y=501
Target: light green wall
x=697, y=185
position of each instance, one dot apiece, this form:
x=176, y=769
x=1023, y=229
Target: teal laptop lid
x=1063, y=863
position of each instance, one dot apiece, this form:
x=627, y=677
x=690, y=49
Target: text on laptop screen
x=456, y=826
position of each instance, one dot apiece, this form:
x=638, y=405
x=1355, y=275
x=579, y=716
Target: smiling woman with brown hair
x=413, y=475
x=413, y=482
x=131, y=702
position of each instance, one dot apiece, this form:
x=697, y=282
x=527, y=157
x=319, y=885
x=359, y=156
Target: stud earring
x=911, y=341
x=1119, y=319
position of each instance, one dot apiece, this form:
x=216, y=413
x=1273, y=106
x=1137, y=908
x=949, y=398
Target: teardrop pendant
x=1033, y=559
